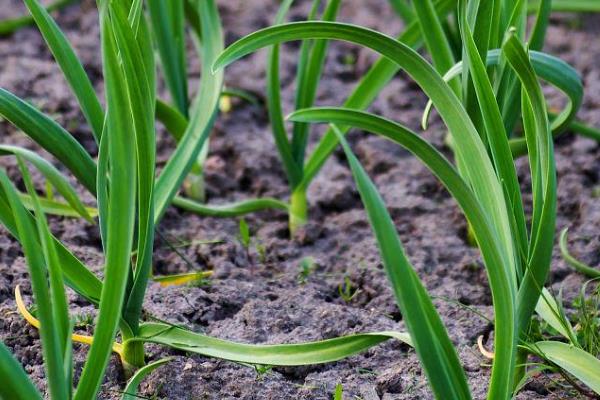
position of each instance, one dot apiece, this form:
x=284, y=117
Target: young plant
x=130, y=202
x=575, y=352
x=517, y=255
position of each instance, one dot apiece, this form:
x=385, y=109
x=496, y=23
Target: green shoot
x=346, y=290
x=244, y=234
x=307, y=266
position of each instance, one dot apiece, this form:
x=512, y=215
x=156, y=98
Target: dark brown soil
x=258, y=299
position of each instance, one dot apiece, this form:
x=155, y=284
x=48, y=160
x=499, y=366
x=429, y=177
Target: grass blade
x=59, y=305
x=436, y=40
x=541, y=160
x=58, y=208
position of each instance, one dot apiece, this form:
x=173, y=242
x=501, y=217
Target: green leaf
x=485, y=234
x=309, y=353
x=292, y=169
x=59, y=305
x=434, y=348
x=50, y=136
x=311, y=61
x=480, y=173
x=168, y=26
x=120, y=219
x=60, y=183
x=436, y=40
x=70, y=65
x=15, y=382
x=366, y=91
x=541, y=160
x=572, y=261
x=203, y=113
x=232, y=209
x=568, y=6
x=175, y=122
x=550, y=311
x=495, y=134
x=130, y=392
x=52, y=345
x=59, y=208
x=141, y=96
x=577, y=362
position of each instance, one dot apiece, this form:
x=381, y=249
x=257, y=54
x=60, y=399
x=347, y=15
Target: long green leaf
x=487, y=239
x=59, y=305
x=52, y=346
x=277, y=354
x=121, y=212
x=203, y=113
x=480, y=173
x=434, y=348
x=168, y=25
x=366, y=91
x=435, y=39
x=495, y=134
x=292, y=170
x=541, y=160
x=568, y=6
x=308, y=82
x=70, y=65
x=232, y=209
x=60, y=183
x=141, y=102
x=51, y=136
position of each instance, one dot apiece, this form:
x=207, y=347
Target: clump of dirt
x=256, y=295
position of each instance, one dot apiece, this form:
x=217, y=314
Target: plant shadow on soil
x=259, y=299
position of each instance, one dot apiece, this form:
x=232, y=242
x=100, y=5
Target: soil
x=256, y=295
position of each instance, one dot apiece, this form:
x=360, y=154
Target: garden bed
x=261, y=294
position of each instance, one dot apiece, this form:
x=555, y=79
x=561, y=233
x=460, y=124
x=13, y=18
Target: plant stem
x=133, y=356
x=520, y=368
x=194, y=186
x=298, y=214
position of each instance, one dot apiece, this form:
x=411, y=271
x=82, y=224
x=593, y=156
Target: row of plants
x=483, y=81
